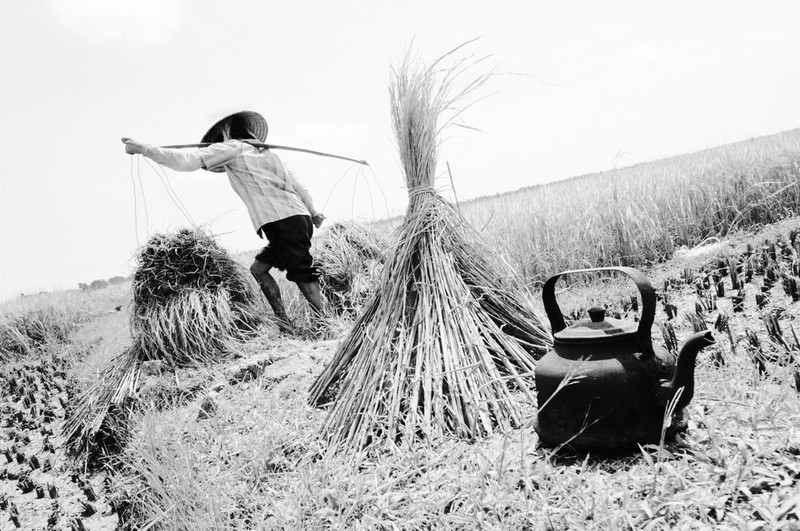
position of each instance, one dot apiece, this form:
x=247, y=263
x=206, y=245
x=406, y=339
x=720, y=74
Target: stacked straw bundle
x=349, y=259
x=443, y=343
x=192, y=304
x=191, y=299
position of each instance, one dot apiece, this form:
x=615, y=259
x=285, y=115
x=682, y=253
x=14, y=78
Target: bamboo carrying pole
x=273, y=146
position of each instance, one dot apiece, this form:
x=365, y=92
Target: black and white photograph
x=421, y=265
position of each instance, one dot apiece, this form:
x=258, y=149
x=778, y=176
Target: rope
x=162, y=175
x=135, y=208
x=360, y=174
x=165, y=181
x=144, y=202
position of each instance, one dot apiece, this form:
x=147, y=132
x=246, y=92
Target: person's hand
x=132, y=147
x=318, y=219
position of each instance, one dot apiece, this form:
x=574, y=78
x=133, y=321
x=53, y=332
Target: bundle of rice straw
x=192, y=304
x=349, y=260
x=192, y=300
x=443, y=343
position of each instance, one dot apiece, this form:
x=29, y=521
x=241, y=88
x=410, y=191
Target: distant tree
x=116, y=280
x=83, y=287
x=98, y=284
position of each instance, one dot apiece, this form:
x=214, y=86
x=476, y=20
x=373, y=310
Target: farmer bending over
x=280, y=207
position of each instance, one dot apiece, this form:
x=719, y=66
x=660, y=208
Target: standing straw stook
x=444, y=347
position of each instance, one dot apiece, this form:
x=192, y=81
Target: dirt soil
x=39, y=486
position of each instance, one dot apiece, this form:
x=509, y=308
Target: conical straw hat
x=255, y=123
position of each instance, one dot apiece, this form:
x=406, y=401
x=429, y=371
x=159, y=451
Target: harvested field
x=235, y=445
x=243, y=447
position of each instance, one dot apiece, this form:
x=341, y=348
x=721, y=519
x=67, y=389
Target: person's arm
x=302, y=191
x=176, y=159
x=183, y=159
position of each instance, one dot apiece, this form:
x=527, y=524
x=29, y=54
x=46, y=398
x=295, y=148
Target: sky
x=580, y=87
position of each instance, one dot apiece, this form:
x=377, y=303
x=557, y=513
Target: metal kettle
x=604, y=386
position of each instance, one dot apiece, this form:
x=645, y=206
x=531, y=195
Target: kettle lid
x=615, y=330
x=597, y=328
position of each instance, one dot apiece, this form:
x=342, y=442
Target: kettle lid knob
x=597, y=313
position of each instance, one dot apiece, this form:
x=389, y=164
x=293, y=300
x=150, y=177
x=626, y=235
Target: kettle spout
x=684, y=372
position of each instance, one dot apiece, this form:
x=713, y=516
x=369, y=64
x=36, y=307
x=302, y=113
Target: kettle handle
x=646, y=291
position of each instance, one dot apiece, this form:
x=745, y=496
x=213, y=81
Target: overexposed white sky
x=582, y=86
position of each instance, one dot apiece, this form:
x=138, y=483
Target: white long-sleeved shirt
x=258, y=176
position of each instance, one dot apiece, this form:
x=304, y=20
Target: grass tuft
x=32, y=323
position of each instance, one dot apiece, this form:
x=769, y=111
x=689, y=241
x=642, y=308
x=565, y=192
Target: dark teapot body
x=604, y=404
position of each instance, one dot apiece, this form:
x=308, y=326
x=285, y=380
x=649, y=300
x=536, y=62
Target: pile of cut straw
x=192, y=305
x=192, y=300
x=444, y=342
x=350, y=260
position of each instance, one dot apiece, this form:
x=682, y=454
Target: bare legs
x=313, y=295
x=269, y=287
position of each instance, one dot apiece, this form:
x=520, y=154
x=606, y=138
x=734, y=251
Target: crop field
x=232, y=442
x=640, y=215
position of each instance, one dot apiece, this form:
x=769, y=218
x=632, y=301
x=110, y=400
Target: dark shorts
x=289, y=246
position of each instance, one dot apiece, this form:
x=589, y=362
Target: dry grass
x=33, y=322
x=350, y=259
x=259, y=465
x=641, y=215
